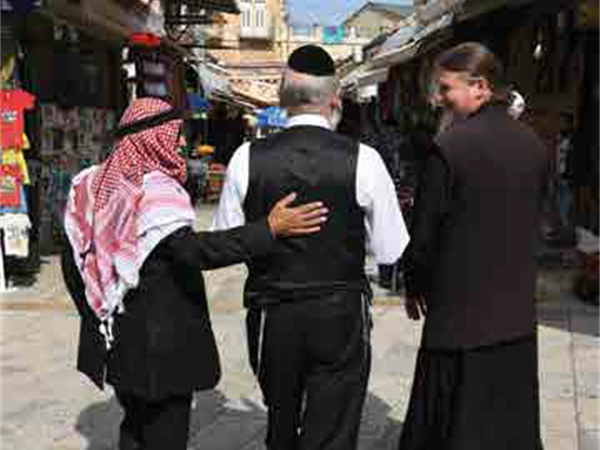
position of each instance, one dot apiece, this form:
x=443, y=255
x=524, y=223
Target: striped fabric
x=118, y=211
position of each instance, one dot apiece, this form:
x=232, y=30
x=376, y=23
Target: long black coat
x=475, y=232
x=164, y=344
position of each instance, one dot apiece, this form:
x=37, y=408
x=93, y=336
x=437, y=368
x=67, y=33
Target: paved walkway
x=47, y=405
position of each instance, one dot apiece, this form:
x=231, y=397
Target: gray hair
x=298, y=90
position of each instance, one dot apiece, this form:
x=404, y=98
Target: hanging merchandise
x=15, y=157
x=15, y=228
x=385, y=100
x=587, y=15
x=10, y=187
x=396, y=100
x=7, y=68
x=12, y=105
x=56, y=179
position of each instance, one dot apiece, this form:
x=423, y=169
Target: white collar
x=315, y=120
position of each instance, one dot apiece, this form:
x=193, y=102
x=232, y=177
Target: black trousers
x=154, y=425
x=314, y=365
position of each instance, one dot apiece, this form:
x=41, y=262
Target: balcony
x=258, y=33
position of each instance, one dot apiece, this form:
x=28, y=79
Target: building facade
x=254, y=45
x=375, y=18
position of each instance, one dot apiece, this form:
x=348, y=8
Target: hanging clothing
x=15, y=157
x=15, y=228
x=12, y=105
x=10, y=187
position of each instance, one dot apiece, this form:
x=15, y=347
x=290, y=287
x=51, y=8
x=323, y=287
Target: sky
x=328, y=12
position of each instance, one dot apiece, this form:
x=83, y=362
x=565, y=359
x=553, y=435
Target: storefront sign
x=272, y=116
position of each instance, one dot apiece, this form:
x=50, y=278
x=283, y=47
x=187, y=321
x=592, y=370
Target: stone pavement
x=47, y=405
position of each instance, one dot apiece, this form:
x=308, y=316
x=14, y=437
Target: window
x=260, y=14
x=246, y=9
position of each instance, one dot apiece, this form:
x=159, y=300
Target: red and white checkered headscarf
x=138, y=154
x=138, y=188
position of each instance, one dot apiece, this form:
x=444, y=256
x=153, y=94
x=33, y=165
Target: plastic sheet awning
x=401, y=48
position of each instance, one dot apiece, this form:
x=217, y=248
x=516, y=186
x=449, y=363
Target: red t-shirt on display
x=12, y=105
x=10, y=185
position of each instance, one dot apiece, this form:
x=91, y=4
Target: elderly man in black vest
x=308, y=303
x=470, y=269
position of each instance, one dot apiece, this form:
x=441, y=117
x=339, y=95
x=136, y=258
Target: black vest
x=319, y=165
x=483, y=278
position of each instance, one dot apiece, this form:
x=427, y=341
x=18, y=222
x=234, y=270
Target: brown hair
x=476, y=60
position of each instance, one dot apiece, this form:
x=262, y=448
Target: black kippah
x=312, y=60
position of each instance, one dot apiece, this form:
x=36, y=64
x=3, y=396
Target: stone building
x=254, y=45
x=375, y=18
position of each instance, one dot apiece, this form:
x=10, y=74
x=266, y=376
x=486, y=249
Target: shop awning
x=212, y=82
x=395, y=56
x=434, y=9
x=465, y=9
x=404, y=34
x=372, y=77
x=391, y=56
x=255, y=100
x=363, y=76
x=234, y=100
x=440, y=23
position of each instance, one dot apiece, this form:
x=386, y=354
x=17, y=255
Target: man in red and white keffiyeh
x=119, y=211
x=133, y=251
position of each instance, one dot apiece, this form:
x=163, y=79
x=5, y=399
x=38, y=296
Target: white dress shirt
x=387, y=236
